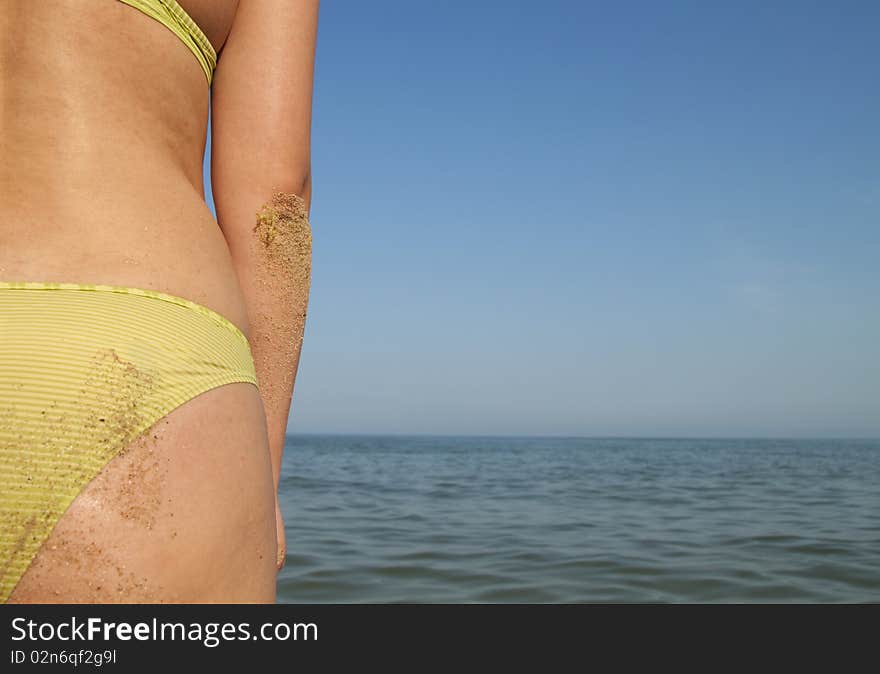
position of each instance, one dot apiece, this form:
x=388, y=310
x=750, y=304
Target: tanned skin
x=103, y=121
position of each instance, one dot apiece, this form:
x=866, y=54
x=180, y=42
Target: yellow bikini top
x=170, y=13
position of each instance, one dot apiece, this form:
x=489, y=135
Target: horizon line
x=586, y=437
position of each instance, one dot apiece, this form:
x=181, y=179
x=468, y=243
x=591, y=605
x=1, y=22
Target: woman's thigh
x=184, y=514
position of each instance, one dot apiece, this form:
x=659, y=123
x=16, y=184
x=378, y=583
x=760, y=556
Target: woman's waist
x=182, y=256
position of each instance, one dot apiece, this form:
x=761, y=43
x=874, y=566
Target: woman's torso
x=103, y=118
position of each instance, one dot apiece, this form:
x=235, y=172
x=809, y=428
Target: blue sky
x=583, y=218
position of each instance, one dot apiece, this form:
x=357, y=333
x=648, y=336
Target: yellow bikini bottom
x=85, y=370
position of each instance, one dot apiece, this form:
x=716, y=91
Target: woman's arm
x=261, y=177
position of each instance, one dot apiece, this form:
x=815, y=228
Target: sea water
x=517, y=519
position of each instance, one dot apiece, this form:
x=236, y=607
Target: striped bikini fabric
x=173, y=16
x=84, y=370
